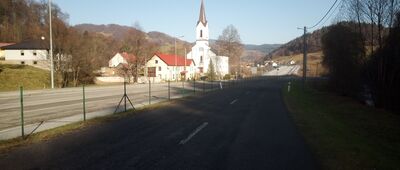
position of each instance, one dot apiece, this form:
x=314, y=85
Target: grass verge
x=343, y=133
x=14, y=76
x=8, y=145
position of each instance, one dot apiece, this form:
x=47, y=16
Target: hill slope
x=14, y=76
x=252, y=53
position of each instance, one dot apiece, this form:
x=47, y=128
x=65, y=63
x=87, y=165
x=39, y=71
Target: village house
x=27, y=52
x=2, y=53
x=164, y=67
x=121, y=58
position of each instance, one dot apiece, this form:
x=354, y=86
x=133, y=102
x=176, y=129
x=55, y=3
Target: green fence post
x=169, y=90
x=84, y=103
x=183, y=88
x=21, y=89
x=149, y=92
x=125, y=96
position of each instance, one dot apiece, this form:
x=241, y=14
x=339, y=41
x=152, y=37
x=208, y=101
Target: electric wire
x=327, y=13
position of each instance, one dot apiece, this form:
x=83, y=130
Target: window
x=34, y=53
x=35, y=62
x=23, y=62
x=156, y=61
x=201, y=33
x=201, y=59
x=159, y=68
x=22, y=53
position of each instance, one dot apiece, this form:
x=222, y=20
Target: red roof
x=170, y=60
x=128, y=57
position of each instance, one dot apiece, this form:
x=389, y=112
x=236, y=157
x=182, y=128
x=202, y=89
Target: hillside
x=295, y=46
x=13, y=76
x=119, y=31
x=252, y=52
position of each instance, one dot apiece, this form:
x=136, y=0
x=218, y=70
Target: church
x=201, y=53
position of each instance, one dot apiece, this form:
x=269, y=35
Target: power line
x=337, y=7
x=330, y=9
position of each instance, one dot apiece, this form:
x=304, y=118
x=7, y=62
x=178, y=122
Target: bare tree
x=230, y=44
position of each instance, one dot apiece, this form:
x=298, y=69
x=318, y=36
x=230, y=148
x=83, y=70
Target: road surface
x=244, y=127
x=44, y=105
x=284, y=70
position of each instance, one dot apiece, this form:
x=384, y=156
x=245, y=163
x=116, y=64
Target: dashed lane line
x=197, y=130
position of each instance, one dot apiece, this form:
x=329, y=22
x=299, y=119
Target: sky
x=258, y=21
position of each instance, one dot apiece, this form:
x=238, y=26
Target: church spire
x=202, y=18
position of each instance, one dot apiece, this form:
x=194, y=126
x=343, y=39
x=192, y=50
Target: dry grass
x=343, y=133
x=315, y=68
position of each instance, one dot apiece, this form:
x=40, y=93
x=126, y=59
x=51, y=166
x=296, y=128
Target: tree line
x=365, y=60
x=78, y=54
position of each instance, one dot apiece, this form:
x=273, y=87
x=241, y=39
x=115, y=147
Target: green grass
x=343, y=133
x=14, y=76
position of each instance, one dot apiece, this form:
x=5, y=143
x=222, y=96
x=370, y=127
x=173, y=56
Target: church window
x=201, y=33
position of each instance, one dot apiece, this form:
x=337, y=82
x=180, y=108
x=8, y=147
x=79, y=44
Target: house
x=164, y=67
x=2, y=53
x=121, y=58
x=201, y=53
x=27, y=52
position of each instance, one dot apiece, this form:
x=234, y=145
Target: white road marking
x=233, y=102
x=197, y=130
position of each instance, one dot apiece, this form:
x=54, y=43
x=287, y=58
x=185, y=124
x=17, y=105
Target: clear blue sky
x=258, y=21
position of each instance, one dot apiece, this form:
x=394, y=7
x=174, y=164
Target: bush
x=343, y=51
x=227, y=77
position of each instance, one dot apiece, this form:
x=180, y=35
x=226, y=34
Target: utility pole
x=51, y=49
x=305, y=56
x=175, y=69
x=176, y=64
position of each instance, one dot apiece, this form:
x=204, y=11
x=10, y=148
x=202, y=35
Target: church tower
x=202, y=33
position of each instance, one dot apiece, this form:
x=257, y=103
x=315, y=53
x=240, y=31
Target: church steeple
x=202, y=17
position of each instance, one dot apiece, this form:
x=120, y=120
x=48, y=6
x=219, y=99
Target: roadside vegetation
x=342, y=132
x=31, y=78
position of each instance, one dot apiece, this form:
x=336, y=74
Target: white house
x=201, y=52
x=121, y=58
x=2, y=54
x=27, y=52
x=164, y=67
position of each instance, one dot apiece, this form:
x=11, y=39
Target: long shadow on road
x=244, y=127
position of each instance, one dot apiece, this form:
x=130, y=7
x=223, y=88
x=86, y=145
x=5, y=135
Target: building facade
x=164, y=67
x=201, y=53
x=27, y=52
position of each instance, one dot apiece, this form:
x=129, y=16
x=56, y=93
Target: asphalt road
x=43, y=105
x=245, y=127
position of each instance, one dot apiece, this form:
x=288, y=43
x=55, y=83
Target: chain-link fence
x=25, y=112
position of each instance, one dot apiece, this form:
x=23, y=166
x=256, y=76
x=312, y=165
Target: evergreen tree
x=211, y=71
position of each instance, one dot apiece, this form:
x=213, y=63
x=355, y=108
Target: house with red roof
x=166, y=67
x=121, y=58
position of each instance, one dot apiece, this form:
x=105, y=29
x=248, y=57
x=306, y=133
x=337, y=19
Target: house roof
x=5, y=44
x=128, y=57
x=202, y=17
x=170, y=60
x=30, y=44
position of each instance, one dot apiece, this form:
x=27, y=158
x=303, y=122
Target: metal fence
x=36, y=110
